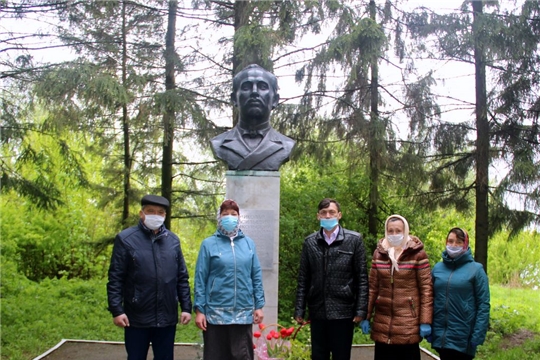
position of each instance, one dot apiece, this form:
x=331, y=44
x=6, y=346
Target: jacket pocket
x=411, y=305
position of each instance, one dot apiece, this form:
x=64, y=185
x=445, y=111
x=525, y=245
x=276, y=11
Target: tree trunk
x=242, y=9
x=482, y=139
x=125, y=127
x=169, y=115
x=374, y=141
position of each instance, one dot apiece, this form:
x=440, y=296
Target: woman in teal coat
x=229, y=294
x=461, y=300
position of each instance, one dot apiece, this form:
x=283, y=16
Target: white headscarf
x=395, y=251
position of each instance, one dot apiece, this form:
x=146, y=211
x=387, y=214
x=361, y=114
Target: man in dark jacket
x=147, y=279
x=333, y=283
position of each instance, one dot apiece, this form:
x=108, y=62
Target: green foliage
x=53, y=244
x=515, y=261
x=64, y=241
x=36, y=316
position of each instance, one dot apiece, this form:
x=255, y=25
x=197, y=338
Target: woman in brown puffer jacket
x=400, y=293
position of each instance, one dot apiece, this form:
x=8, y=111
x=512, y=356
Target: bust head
x=255, y=94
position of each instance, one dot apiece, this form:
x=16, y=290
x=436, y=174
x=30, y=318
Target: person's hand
x=365, y=326
x=356, y=320
x=121, y=321
x=200, y=320
x=425, y=330
x=185, y=318
x=299, y=320
x=258, y=316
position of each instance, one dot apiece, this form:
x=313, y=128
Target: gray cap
x=155, y=200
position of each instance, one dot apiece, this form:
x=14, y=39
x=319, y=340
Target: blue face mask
x=229, y=222
x=329, y=224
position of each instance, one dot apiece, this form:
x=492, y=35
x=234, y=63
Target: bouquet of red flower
x=273, y=342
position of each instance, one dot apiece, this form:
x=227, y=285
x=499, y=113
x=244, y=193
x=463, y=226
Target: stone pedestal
x=257, y=195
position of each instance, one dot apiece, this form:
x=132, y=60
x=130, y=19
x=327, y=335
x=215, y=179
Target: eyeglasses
x=328, y=212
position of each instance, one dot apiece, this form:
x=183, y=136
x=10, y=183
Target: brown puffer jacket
x=403, y=301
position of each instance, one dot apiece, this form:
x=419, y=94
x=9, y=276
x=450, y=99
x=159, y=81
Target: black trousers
x=451, y=354
x=138, y=342
x=228, y=342
x=331, y=336
x=396, y=352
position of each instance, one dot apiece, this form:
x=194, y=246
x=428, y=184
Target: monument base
x=257, y=194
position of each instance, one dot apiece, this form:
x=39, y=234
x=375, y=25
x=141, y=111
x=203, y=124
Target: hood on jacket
x=463, y=258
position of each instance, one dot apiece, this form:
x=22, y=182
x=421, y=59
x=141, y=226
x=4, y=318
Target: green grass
x=512, y=311
x=35, y=317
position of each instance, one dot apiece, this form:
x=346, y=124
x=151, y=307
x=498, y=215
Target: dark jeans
x=396, y=352
x=138, y=341
x=228, y=342
x=450, y=354
x=331, y=336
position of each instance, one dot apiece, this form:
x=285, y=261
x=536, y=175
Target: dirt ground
x=84, y=350
x=517, y=338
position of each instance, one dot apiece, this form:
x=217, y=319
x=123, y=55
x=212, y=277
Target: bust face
x=255, y=97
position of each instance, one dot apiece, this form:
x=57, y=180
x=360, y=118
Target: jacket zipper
x=234, y=259
x=443, y=341
x=392, y=312
x=154, y=238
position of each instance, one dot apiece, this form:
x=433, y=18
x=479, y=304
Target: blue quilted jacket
x=228, y=280
x=461, y=303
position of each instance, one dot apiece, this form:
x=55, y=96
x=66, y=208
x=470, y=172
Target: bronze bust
x=253, y=144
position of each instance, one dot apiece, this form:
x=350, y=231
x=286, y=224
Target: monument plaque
x=259, y=225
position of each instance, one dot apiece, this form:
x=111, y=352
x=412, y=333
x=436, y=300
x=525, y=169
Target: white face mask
x=395, y=240
x=153, y=222
x=454, y=251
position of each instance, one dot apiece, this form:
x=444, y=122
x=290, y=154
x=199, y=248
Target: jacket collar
x=460, y=260
x=162, y=231
x=340, y=236
x=240, y=234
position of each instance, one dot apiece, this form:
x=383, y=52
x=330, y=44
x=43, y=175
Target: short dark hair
x=229, y=204
x=236, y=79
x=326, y=203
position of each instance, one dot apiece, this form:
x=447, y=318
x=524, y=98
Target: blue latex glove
x=425, y=330
x=429, y=338
x=365, y=326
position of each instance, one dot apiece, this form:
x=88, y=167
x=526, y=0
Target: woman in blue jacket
x=229, y=294
x=461, y=300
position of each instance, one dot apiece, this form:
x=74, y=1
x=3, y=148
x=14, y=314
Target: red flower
x=269, y=337
x=290, y=331
x=257, y=334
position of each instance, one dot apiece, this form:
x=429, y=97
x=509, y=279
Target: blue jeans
x=138, y=341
